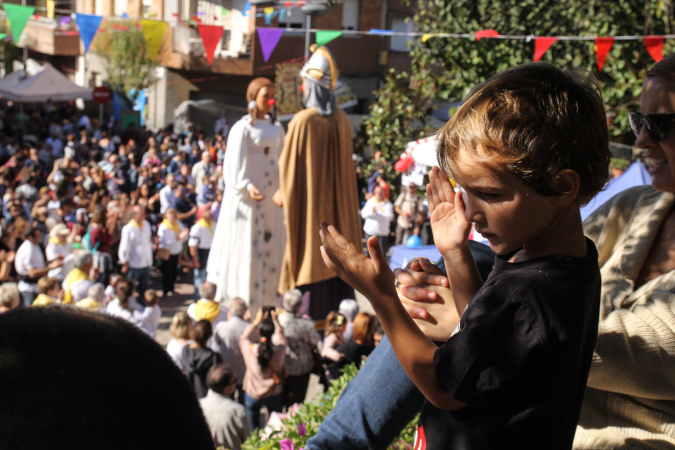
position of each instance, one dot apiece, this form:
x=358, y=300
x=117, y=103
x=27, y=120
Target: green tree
x=129, y=67
x=447, y=68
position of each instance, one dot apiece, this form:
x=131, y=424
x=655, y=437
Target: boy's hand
x=446, y=209
x=372, y=277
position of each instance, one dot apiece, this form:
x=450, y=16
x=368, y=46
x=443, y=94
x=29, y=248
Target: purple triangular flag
x=269, y=38
x=88, y=25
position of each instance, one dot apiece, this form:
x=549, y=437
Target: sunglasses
x=658, y=125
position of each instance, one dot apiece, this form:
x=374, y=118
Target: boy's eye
x=488, y=196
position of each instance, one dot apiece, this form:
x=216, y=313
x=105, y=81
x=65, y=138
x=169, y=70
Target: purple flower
x=302, y=431
x=286, y=444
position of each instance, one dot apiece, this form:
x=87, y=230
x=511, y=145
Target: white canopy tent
x=48, y=84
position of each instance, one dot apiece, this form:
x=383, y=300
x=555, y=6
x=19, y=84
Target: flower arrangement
x=303, y=423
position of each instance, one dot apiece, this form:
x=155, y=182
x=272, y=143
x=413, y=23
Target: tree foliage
x=447, y=68
x=129, y=67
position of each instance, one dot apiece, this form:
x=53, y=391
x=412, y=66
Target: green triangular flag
x=224, y=11
x=18, y=16
x=2, y=36
x=323, y=37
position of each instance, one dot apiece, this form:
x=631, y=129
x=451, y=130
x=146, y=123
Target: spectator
x=202, y=169
x=227, y=420
x=94, y=301
x=135, y=250
x=101, y=245
x=409, y=208
x=77, y=282
x=206, y=308
x=362, y=342
x=377, y=214
x=167, y=198
x=263, y=381
x=172, y=234
x=197, y=358
x=180, y=329
x=50, y=292
x=201, y=238
x=10, y=297
x=226, y=336
x=30, y=265
x=349, y=308
x=152, y=313
x=336, y=324
x=302, y=342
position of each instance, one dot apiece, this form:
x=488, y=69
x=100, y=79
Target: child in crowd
x=152, y=313
x=336, y=324
x=529, y=146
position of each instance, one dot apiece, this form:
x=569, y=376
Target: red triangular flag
x=602, y=47
x=654, y=46
x=541, y=44
x=210, y=35
x=486, y=33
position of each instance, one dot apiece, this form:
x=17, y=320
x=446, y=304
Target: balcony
x=49, y=37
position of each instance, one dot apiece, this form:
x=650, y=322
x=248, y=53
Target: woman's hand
x=278, y=199
x=255, y=194
x=446, y=209
x=372, y=277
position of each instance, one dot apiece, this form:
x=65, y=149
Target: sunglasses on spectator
x=658, y=125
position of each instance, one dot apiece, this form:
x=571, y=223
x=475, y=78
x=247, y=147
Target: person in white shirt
x=171, y=235
x=135, y=249
x=201, y=238
x=60, y=246
x=167, y=199
x=30, y=265
x=378, y=213
x=152, y=313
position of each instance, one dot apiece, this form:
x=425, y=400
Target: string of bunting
x=154, y=30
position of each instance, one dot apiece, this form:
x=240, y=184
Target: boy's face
x=507, y=212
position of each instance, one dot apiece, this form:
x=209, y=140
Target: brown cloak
x=318, y=184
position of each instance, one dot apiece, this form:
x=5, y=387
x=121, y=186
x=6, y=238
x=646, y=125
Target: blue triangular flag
x=88, y=25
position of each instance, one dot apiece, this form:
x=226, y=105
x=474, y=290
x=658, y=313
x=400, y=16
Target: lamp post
x=311, y=8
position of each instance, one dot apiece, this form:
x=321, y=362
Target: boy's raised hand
x=446, y=208
x=372, y=277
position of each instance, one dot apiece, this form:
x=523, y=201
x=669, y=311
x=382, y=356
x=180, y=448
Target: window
x=400, y=43
x=350, y=15
x=293, y=18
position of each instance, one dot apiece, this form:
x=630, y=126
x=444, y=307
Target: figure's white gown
x=248, y=244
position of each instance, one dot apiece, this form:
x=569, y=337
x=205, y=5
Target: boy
x=529, y=147
x=151, y=314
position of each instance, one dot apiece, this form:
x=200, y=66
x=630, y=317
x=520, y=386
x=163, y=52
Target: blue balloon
x=414, y=241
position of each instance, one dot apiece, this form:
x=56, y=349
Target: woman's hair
x=364, y=326
x=123, y=290
x=664, y=69
x=202, y=332
x=8, y=292
x=180, y=325
x=46, y=284
x=98, y=216
x=171, y=211
x=265, y=350
x=333, y=322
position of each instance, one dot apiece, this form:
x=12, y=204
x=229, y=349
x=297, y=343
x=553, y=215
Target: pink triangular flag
x=269, y=38
x=486, y=33
x=602, y=47
x=210, y=35
x=654, y=46
x=541, y=44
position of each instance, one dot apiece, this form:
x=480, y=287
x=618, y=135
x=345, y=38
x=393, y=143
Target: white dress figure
x=248, y=245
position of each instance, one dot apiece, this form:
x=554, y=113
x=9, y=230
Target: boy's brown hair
x=150, y=297
x=46, y=284
x=535, y=120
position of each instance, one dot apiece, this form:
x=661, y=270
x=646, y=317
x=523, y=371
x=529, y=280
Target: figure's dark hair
x=70, y=380
x=534, y=120
x=664, y=69
x=266, y=349
x=202, y=332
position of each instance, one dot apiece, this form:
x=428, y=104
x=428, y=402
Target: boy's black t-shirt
x=520, y=359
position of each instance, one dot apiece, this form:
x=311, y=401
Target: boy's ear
x=566, y=184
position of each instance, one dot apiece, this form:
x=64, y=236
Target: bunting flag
x=18, y=16
x=654, y=46
x=88, y=25
x=224, y=11
x=210, y=35
x=602, y=47
x=269, y=38
x=51, y=6
x=2, y=36
x=153, y=32
x=486, y=33
x=323, y=37
x=426, y=37
x=282, y=13
x=247, y=9
x=270, y=13
x=541, y=44
x=65, y=20
x=125, y=15
x=382, y=32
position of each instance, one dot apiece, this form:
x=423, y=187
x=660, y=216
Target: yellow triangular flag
x=269, y=10
x=153, y=32
x=426, y=37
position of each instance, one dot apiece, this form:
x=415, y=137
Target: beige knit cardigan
x=630, y=398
